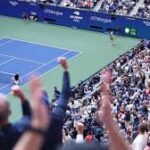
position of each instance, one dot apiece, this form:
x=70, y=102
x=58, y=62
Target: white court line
x=43, y=74
x=46, y=45
x=6, y=42
x=45, y=64
x=5, y=62
x=5, y=87
x=46, y=72
x=37, y=68
x=32, y=61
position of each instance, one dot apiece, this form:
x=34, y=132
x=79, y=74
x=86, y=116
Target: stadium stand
x=86, y=4
x=144, y=11
x=120, y=7
x=136, y=8
x=130, y=90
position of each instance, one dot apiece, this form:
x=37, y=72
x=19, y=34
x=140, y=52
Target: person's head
x=4, y=109
x=80, y=127
x=143, y=128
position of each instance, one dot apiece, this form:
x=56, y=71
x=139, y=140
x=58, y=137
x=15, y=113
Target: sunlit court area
x=74, y=75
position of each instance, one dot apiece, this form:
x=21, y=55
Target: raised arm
x=54, y=134
x=17, y=92
x=116, y=140
x=62, y=102
x=33, y=138
x=66, y=81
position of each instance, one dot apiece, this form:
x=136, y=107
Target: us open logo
x=76, y=13
x=76, y=17
x=13, y=3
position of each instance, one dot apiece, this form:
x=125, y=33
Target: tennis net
x=6, y=77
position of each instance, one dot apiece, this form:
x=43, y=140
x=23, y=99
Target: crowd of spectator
x=130, y=105
x=41, y=126
x=109, y=111
x=85, y=4
x=120, y=7
x=144, y=11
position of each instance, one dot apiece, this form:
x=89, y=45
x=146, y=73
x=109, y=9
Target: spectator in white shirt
x=141, y=140
x=80, y=129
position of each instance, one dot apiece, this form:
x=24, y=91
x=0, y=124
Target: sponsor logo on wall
x=53, y=12
x=147, y=23
x=76, y=16
x=99, y=19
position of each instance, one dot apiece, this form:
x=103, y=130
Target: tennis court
x=27, y=58
x=90, y=52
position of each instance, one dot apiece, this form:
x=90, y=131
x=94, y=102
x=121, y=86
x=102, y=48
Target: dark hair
x=143, y=128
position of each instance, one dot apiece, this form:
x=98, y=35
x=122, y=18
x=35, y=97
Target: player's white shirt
x=111, y=33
